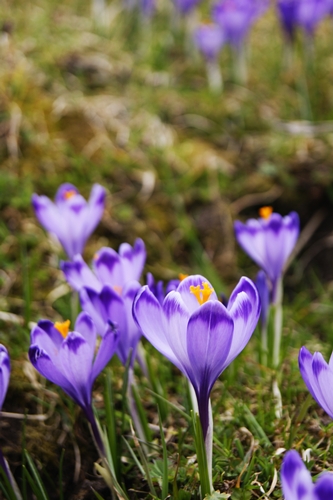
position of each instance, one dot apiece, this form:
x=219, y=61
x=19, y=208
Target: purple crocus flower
x=185, y=6
x=269, y=241
x=70, y=218
x=236, y=18
x=196, y=332
x=4, y=381
x=209, y=38
x=287, y=10
x=318, y=377
x=310, y=12
x=68, y=359
x=110, y=268
x=297, y=483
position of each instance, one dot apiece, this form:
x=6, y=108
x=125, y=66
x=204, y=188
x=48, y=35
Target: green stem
x=278, y=317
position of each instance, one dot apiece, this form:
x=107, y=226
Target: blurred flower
x=196, y=332
x=318, y=377
x=185, y=6
x=269, y=241
x=4, y=373
x=209, y=38
x=310, y=13
x=70, y=218
x=297, y=482
x=68, y=358
x=262, y=285
x=158, y=288
x=236, y=18
x=110, y=268
x=109, y=306
x=287, y=10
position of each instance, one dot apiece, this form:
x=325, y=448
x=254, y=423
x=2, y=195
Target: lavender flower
x=110, y=268
x=209, y=39
x=310, y=13
x=70, y=218
x=196, y=332
x=185, y=6
x=297, y=483
x=68, y=359
x=4, y=381
x=269, y=241
x=287, y=10
x=236, y=18
x=318, y=377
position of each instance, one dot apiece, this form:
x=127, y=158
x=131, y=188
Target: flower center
x=202, y=294
x=69, y=194
x=265, y=212
x=118, y=289
x=63, y=328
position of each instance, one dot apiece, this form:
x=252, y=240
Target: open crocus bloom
x=318, y=377
x=297, y=483
x=269, y=241
x=68, y=358
x=71, y=218
x=196, y=332
x=110, y=268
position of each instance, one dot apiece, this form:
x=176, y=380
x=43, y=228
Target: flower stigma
x=202, y=294
x=69, y=194
x=265, y=212
x=63, y=328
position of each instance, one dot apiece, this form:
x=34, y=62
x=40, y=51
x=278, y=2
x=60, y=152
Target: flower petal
x=324, y=486
x=244, y=309
x=108, y=267
x=324, y=378
x=95, y=208
x=48, y=338
x=85, y=326
x=209, y=337
x=148, y=314
x=176, y=320
x=78, y=274
x=105, y=352
x=188, y=297
x=133, y=259
x=296, y=479
x=4, y=373
x=305, y=360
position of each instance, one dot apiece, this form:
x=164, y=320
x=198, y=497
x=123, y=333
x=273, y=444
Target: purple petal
x=85, y=326
x=44, y=365
x=324, y=378
x=95, y=209
x=305, y=359
x=244, y=309
x=149, y=315
x=188, y=297
x=324, y=486
x=4, y=373
x=63, y=191
x=295, y=478
x=77, y=359
x=48, y=339
x=209, y=337
x=108, y=267
x=78, y=274
x=133, y=259
x=130, y=337
x=105, y=352
x=49, y=216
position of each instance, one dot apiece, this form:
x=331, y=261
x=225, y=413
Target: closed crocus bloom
x=236, y=18
x=269, y=241
x=196, y=332
x=68, y=359
x=71, y=218
x=110, y=268
x=310, y=13
x=318, y=377
x=297, y=483
x=287, y=10
x=209, y=38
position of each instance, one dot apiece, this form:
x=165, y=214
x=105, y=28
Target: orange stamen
x=265, y=212
x=63, y=328
x=202, y=294
x=182, y=276
x=69, y=194
x=118, y=289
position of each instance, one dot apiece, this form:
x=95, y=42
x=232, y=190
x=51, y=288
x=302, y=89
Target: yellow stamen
x=69, y=194
x=182, y=276
x=63, y=328
x=95, y=257
x=265, y=212
x=118, y=289
x=202, y=294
